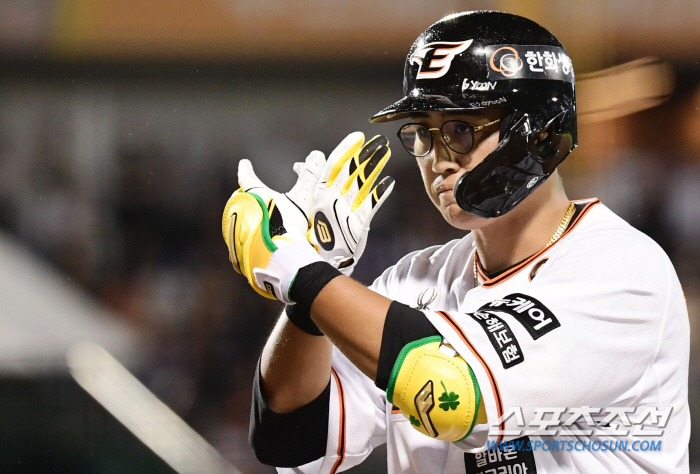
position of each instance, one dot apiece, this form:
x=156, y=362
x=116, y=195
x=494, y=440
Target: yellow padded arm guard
x=436, y=390
x=246, y=228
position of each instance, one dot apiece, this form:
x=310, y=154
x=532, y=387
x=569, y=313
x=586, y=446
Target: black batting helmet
x=484, y=60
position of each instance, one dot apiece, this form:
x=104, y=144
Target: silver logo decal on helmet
x=435, y=59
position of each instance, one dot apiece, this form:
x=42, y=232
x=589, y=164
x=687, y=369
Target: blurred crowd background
x=121, y=126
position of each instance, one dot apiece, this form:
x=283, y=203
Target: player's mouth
x=446, y=196
x=443, y=188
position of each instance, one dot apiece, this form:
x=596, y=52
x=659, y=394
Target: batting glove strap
x=309, y=282
x=283, y=267
x=300, y=315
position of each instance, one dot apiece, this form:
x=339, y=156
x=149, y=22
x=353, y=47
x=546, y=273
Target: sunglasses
x=458, y=136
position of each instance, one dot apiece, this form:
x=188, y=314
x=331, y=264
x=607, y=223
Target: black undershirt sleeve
x=403, y=325
x=288, y=439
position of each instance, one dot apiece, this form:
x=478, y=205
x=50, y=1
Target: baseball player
x=553, y=337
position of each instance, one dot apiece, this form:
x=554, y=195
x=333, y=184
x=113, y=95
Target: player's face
x=442, y=167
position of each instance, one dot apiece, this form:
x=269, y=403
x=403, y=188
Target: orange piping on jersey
x=395, y=411
x=492, y=378
x=341, y=434
x=488, y=283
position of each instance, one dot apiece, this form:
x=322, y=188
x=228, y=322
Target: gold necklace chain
x=563, y=224
x=556, y=236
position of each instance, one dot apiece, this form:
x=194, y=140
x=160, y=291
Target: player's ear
x=549, y=136
x=544, y=137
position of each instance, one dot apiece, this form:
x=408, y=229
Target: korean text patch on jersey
x=515, y=456
x=501, y=338
x=535, y=317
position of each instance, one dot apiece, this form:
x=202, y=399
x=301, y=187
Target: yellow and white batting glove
x=258, y=223
x=345, y=199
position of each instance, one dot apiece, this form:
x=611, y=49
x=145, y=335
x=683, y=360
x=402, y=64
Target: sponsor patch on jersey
x=535, y=317
x=515, y=61
x=511, y=457
x=501, y=337
x=324, y=231
x=435, y=59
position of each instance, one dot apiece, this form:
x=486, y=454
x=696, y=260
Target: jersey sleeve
x=356, y=420
x=582, y=334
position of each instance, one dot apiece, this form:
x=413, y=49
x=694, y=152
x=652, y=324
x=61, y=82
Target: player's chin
x=459, y=218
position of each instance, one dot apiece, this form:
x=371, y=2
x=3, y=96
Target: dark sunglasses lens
x=458, y=135
x=416, y=139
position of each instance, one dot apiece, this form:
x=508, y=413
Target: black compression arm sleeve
x=403, y=325
x=288, y=439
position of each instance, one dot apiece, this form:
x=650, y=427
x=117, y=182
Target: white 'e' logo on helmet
x=434, y=59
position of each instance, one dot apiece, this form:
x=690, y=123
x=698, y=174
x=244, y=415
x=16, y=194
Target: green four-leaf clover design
x=414, y=421
x=449, y=400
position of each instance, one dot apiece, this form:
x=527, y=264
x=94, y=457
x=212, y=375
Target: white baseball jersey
x=594, y=325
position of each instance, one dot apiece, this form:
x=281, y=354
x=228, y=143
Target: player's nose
x=442, y=159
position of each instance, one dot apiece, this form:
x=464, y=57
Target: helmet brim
x=406, y=106
x=433, y=103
